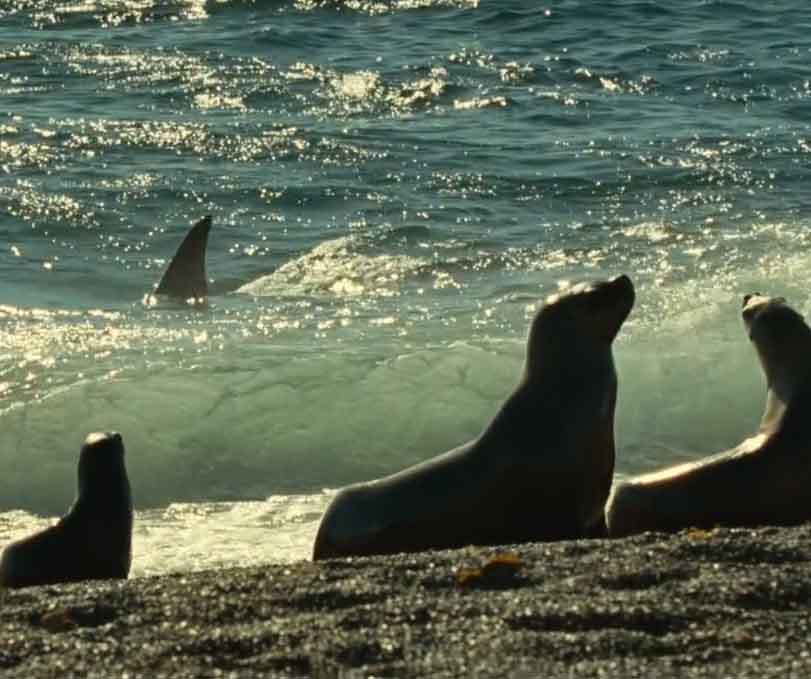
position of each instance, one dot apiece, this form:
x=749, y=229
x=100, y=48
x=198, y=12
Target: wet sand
x=724, y=603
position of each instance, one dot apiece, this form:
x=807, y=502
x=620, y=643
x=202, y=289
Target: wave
x=336, y=268
x=222, y=412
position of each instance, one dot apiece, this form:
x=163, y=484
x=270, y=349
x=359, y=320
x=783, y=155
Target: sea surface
x=396, y=186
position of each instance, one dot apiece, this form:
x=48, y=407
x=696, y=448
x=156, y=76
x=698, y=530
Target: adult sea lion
x=765, y=479
x=542, y=468
x=93, y=540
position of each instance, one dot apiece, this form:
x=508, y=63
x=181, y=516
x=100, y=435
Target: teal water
x=395, y=187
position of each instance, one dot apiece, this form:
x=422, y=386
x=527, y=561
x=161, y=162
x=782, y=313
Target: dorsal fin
x=185, y=277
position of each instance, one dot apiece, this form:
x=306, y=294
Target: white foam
x=335, y=268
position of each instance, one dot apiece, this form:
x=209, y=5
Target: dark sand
x=728, y=603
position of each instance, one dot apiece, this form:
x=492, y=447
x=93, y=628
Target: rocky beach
x=720, y=603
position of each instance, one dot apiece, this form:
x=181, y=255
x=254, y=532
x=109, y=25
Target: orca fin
x=185, y=277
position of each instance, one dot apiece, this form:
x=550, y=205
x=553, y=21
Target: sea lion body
x=542, y=468
x=762, y=481
x=93, y=540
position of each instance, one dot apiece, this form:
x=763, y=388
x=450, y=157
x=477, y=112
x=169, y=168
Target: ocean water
x=395, y=185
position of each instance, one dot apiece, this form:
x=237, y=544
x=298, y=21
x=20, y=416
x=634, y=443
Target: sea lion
x=765, y=479
x=185, y=278
x=542, y=468
x=93, y=540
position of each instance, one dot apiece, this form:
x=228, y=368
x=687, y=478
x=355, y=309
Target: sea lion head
x=101, y=469
x=588, y=314
x=780, y=335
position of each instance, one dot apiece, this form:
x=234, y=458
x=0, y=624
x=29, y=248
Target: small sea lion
x=765, y=479
x=93, y=540
x=542, y=468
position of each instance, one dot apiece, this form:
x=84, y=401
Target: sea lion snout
x=98, y=436
x=621, y=284
x=754, y=299
x=101, y=439
x=623, y=280
x=617, y=290
x=625, y=288
x=614, y=300
x=756, y=306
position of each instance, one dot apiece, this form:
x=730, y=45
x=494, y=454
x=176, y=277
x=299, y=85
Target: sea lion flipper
x=185, y=277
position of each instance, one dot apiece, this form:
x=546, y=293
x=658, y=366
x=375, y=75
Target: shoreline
x=726, y=602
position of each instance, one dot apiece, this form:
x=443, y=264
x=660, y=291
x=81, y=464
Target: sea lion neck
x=786, y=380
x=786, y=364
x=786, y=385
x=565, y=362
x=104, y=484
x=783, y=377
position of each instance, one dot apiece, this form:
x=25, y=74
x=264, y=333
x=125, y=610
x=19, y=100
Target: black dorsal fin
x=185, y=277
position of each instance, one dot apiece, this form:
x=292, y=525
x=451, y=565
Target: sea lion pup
x=93, y=540
x=541, y=470
x=185, y=278
x=765, y=479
